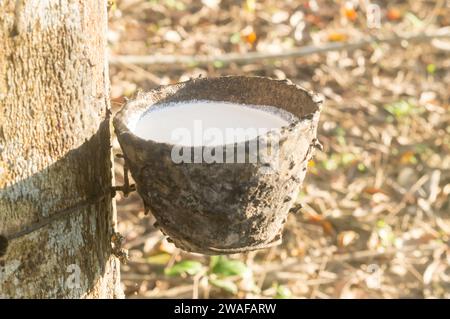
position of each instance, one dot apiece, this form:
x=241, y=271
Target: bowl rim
x=122, y=117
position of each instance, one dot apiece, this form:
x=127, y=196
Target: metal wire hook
x=126, y=188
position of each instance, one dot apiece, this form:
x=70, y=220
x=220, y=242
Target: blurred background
x=375, y=221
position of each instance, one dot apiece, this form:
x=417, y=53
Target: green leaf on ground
x=189, y=267
x=221, y=265
x=401, y=108
x=431, y=68
x=226, y=285
x=235, y=38
x=283, y=292
x=414, y=20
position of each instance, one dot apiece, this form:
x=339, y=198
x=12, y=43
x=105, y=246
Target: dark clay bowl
x=222, y=208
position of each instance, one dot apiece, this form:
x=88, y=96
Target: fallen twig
x=255, y=56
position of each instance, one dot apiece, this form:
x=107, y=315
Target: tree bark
x=56, y=208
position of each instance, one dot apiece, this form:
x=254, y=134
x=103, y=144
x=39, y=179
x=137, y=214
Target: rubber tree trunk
x=56, y=210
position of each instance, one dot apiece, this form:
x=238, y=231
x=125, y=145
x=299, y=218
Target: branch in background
x=255, y=56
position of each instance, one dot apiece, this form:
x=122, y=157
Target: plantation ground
x=375, y=221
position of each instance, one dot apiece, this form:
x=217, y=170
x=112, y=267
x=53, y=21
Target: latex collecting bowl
x=230, y=206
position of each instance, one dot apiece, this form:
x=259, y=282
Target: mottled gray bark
x=55, y=156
